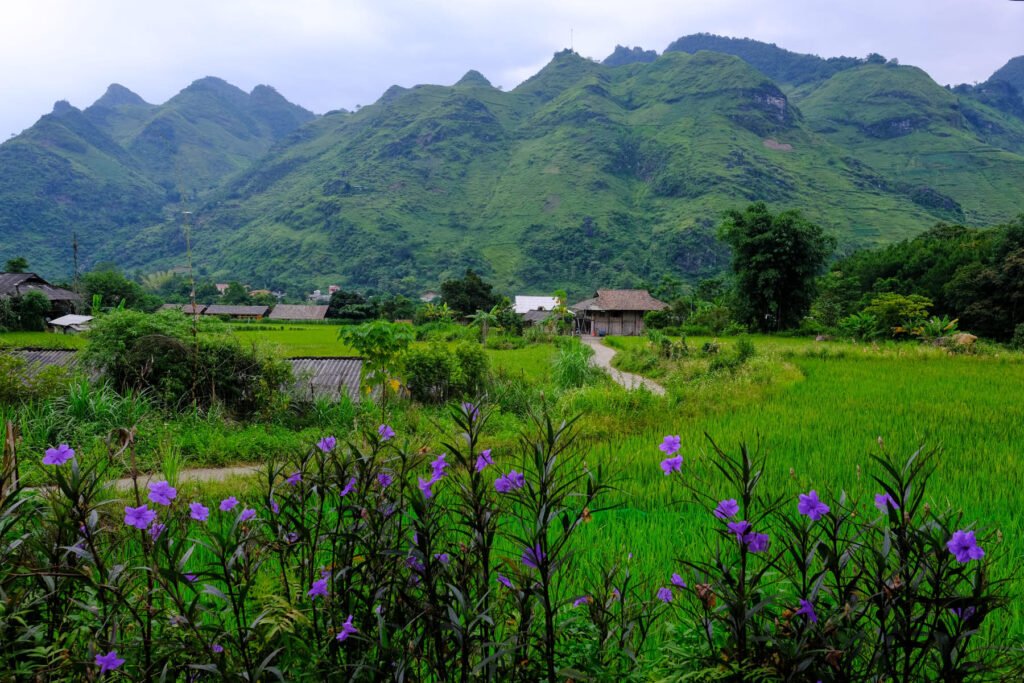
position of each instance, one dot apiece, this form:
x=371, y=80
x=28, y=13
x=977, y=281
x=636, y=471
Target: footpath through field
x=602, y=358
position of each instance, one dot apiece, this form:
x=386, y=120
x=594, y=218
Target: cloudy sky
x=327, y=54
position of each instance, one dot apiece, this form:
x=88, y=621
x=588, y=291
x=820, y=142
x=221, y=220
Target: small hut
x=615, y=311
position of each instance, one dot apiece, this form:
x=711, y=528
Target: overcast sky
x=328, y=54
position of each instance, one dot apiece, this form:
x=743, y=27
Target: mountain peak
x=118, y=95
x=474, y=77
x=214, y=85
x=62, y=108
x=1012, y=72
x=629, y=55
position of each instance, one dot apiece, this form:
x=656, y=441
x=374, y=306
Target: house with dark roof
x=16, y=285
x=184, y=308
x=615, y=311
x=238, y=312
x=295, y=312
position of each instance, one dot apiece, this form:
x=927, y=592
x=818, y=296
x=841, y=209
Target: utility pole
x=74, y=276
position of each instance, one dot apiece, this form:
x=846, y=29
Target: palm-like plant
x=484, y=319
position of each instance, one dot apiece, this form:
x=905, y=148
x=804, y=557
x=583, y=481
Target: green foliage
x=469, y=293
x=936, y=328
x=350, y=307
x=381, y=345
x=18, y=264
x=437, y=374
x=775, y=259
x=156, y=353
x=27, y=312
x=861, y=326
x=20, y=385
x=898, y=314
x=113, y=289
x=572, y=368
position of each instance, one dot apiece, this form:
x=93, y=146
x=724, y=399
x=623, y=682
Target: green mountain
x=108, y=171
x=1013, y=73
x=587, y=174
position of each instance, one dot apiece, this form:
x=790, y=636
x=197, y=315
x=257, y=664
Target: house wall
x=619, y=323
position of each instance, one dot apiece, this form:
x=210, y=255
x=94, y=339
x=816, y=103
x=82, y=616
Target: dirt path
x=602, y=358
x=198, y=474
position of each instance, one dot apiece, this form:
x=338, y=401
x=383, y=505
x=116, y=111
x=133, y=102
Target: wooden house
x=15, y=285
x=615, y=312
x=298, y=313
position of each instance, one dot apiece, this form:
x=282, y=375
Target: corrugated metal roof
x=38, y=359
x=70, y=319
x=317, y=377
x=534, y=303
x=297, y=312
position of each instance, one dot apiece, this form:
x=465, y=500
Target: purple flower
x=670, y=465
x=162, y=493
x=274, y=507
x=756, y=543
x=414, y=564
x=247, y=514
x=348, y=487
x=385, y=433
x=291, y=537
x=191, y=578
x=580, y=601
x=963, y=613
x=228, y=503
x=327, y=444
x=726, y=509
x=883, y=501
x=347, y=629
x=812, y=507
x=442, y=558
x=319, y=588
x=483, y=460
x=665, y=594
x=507, y=483
x=504, y=581
x=670, y=444
x=108, y=662
x=156, y=530
x=425, y=487
x=471, y=411
x=217, y=648
x=438, y=467
x=739, y=529
x=532, y=557
x=58, y=456
x=294, y=478
x=678, y=581
x=964, y=546
x=140, y=517
x=807, y=609
x=384, y=479
x=198, y=512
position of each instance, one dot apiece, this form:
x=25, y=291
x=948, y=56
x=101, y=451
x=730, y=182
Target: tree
x=468, y=294
x=775, y=259
x=484, y=319
x=18, y=264
x=351, y=306
x=112, y=287
x=32, y=310
x=235, y=294
x=380, y=343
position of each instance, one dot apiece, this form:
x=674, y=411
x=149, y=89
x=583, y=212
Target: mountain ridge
x=585, y=174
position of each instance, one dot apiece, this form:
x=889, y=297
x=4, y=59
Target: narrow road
x=602, y=358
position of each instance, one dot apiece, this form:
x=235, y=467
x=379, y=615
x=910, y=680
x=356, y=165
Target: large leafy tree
x=18, y=264
x=776, y=258
x=351, y=306
x=468, y=294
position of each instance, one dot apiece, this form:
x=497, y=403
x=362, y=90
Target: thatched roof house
x=298, y=313
x=615, y=311
x=184, y=308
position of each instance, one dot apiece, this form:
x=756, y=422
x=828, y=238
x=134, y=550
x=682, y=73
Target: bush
x=20, y=385
x=436, y=374
x=156, y=354
x=1017, y=342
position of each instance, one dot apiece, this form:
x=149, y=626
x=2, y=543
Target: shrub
x=19, y=384
x=899, y=314
x=572, y=368
x=436, y=374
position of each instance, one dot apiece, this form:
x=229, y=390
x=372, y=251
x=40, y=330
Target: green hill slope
x=590, y=175
x=585, y=175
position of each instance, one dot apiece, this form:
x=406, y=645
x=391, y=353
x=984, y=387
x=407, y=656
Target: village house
x=15, y=285
x=615, y=312
x=238, y=312
x=298, y=312
x=534, y=310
